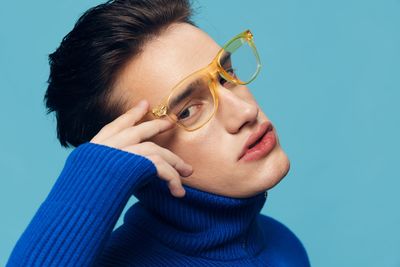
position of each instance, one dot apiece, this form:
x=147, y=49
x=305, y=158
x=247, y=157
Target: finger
x=150, y=148
x=171, y=176
x=139, y=133
x=129, y=118
x=176, y=188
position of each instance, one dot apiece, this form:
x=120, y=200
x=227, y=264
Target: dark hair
x=84, y=67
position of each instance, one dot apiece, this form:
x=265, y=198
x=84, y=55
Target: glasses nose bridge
x=213, y=69
x=213, y=73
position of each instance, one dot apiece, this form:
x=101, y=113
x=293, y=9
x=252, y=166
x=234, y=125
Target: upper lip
x=262, y=129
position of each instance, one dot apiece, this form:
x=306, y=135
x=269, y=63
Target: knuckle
x=157, y=158
x=178, y=181
x=181, y=162
x=105, y=128
x=126, y=115
x=149, y=144
x=136, y=150
x=173, y=175
x=172, y=183
x=150, y=157
x=166, y=175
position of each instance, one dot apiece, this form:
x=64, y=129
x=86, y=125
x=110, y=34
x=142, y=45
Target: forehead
x=165, y=60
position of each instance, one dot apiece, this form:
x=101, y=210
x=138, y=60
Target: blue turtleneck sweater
x=74, y=225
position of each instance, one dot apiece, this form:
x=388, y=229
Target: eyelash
x=222, y=80
x=187, y=108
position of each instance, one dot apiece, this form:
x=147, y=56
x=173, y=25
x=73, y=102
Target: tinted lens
x=191, y=104
x=240, y=61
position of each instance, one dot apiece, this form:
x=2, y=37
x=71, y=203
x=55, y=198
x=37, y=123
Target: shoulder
x=282, y=244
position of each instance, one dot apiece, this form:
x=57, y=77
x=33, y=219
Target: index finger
x=129, y=118
x=145, y=130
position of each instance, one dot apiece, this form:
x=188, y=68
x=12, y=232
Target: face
x=212, y=150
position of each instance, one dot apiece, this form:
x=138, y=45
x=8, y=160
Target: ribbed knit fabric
x=73, y=226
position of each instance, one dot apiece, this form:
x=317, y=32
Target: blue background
x=330, y=83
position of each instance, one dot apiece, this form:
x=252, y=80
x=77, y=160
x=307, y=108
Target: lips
x=256, y=136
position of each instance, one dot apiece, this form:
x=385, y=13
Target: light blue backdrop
x=330, y=84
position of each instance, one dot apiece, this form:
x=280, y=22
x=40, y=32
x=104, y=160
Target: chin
x=270, y=176
x=264, y=177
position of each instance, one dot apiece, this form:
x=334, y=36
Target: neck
x=200, y=223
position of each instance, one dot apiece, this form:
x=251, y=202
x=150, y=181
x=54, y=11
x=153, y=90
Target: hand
x=124, y=134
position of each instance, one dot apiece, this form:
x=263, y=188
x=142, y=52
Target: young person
x=156, y=108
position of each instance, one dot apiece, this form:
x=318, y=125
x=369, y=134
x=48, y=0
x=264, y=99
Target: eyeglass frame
x=211, y=69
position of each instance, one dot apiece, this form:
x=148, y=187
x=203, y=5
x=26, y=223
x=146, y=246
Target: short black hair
x=84, y=68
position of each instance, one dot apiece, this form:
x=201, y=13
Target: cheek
x=210, y=165
x=198, y=154
x=201, y=149
x=181, y=144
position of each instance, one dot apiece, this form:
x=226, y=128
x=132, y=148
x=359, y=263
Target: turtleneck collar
x=201, y=223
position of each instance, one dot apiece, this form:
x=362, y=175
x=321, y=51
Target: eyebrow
x=225, y=57
x=191, y=87
x=188, y=90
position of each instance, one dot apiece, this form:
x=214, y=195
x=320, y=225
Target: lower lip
x=263, y=148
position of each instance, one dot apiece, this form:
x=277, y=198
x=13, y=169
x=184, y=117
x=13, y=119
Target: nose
x=236, y=108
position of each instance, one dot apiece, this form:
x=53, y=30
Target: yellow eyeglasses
x=194, y=100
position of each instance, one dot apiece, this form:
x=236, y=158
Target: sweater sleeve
x=72, y=225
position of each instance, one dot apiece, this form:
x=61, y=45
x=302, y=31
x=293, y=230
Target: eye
x=231, y=72
x=224, y=82
x=188, y=112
